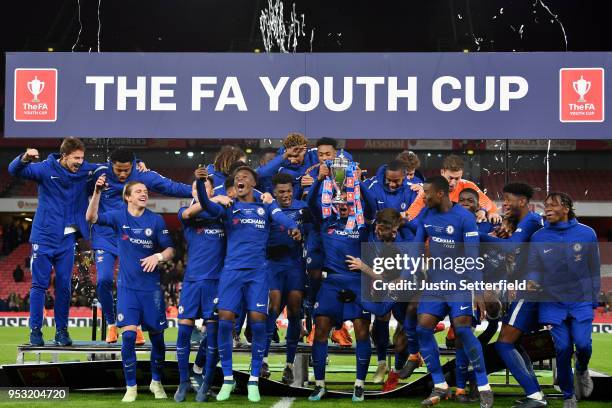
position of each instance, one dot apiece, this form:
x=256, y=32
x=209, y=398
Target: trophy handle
x=575, y=86
x=588, y=87
x=42, y=87
x=29, y=83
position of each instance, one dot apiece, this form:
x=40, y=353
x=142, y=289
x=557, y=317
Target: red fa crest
x=35, y=95
x=581, y=95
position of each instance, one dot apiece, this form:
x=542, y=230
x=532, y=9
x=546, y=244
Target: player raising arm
x=143, y=242
x=244, y=275
x=62, y=201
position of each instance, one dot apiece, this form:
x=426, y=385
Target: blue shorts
x=522, y=315
x=557, y=312
x=442, y=304
x=141, y=307
x=198, y=299
x=286, y=277
x=247, y=287
x=327, y=303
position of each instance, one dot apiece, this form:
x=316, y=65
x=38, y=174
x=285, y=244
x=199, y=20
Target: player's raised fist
x=201, y=173
x=29, y=155
x=267, y=198
x=101, y=183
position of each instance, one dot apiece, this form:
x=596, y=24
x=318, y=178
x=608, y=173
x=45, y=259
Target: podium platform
x=108, y=374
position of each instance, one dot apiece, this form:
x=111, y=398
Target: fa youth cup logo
x=581, y=95
x=582, y=87
x=35, y=87
x=35, y=98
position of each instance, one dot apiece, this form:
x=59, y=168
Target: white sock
x=443, y=385
x=289, y=365
x=253, y=378
x=486, y=387
x=320, y=383
x=536, y=396
x=382, y=362
x=358, y=383
x=197, y=369
x=228, y=378
x=265, y=360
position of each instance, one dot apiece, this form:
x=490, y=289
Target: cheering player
x=522, y=316
x=564, y=260
x=286, y=271
x=452, y=171
x=388, y=229
x=120, y=170
x=205, y=238
x=62, y=201
x=388, y=189
x=243, y=279
x=143, y=242
x=453, y=234
x=338, y=299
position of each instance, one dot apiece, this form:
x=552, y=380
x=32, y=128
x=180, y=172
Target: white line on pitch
x=284, y=402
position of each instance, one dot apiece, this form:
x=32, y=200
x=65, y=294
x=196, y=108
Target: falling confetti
x=276, y=34
x=78, y=39
x=80, y=25
x=555, y=17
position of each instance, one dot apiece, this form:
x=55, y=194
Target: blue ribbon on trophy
x=342, y=179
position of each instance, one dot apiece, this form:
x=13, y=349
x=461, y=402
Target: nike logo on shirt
x=260, y=305
x=463, y=307
x=547, y=250
x=54, y=177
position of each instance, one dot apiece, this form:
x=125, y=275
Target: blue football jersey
x=205, y=238
x=137, y=238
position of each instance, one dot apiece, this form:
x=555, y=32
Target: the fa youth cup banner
x=368, y=96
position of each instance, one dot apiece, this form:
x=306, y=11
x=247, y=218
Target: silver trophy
x=582, y=87
x=36, y=87
x=338, y=170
